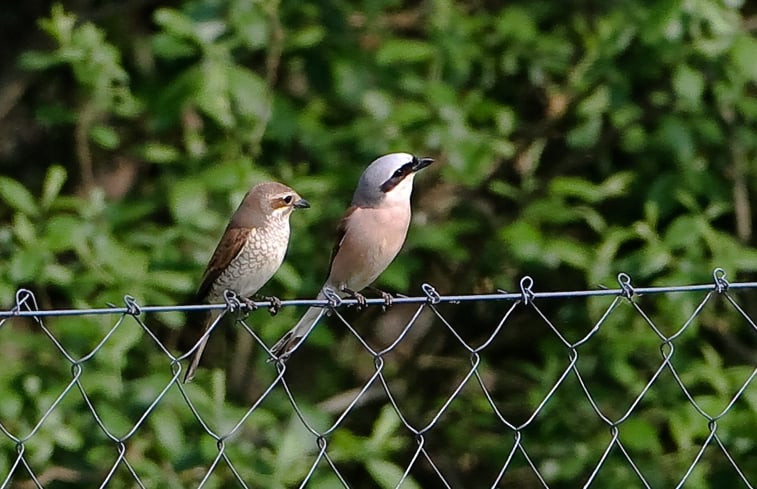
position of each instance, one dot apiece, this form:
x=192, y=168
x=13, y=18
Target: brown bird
x=250, y=251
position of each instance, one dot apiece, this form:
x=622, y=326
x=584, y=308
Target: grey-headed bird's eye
x=288, y=199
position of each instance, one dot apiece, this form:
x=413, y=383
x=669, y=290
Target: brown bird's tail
x=292, y=338
x=210, y=319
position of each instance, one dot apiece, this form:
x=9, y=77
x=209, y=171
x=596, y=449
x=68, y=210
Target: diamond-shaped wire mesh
x=630, y=387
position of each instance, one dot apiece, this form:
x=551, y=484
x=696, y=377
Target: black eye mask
x=398, y=176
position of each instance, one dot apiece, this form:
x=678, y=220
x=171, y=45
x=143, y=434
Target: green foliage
x=573, y=141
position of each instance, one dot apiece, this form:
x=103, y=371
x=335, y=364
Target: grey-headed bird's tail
x=294, y=336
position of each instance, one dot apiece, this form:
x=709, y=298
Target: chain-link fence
x=623, y=387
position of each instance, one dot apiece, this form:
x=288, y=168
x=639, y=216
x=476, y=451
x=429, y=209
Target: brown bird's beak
x=302, y=204
x=422, y=163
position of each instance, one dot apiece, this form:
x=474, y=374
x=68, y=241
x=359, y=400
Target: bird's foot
x=237, y=303
x=388, y=298
x=248, y=305
x=362, y=302
x=275, y=305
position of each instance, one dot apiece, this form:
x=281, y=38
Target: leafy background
x=573, y=140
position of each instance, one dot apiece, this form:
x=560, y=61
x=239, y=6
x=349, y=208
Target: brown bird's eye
x=288, y=199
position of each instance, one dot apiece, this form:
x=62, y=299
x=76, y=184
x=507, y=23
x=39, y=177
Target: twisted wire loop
x=428, y=316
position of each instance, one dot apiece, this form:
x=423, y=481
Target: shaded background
x=573, y=140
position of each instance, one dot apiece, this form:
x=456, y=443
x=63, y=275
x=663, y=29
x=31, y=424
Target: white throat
x=401, y=193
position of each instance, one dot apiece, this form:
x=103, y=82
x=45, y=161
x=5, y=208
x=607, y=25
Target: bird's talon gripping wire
x=388, y=300
x=275, y=304
x=362, y=302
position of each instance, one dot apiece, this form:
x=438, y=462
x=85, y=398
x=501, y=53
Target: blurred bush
x=574, y=140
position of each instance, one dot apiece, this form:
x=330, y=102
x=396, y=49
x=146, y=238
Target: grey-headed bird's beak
x=422, y=163
x=302, y=204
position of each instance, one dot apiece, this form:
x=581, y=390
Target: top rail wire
x=431, y=295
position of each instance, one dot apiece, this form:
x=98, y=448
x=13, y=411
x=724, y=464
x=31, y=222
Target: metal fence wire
x=479, y=424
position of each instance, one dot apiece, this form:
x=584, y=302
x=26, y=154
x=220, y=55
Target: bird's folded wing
x=228, y=248
x=341, y=232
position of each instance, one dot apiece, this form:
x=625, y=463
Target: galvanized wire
x=526, y=298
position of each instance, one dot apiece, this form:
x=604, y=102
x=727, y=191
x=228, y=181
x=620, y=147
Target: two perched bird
x=369, y=237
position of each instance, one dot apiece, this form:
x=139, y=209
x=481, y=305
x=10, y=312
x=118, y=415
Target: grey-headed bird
x=369, y=236
x=250, y=251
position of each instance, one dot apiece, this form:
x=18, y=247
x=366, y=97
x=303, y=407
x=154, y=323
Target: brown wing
x=340, y=232
x=229, y=247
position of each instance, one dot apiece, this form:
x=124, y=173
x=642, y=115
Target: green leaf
x=172, y=281
x=616, y=185
x=688, y=84
x=399, y=51
x=26, y=266
x=250, y=22
x=585, y=134
x=187, y=199
x=38, y=60
x=294, y=444
x=327, y=481
x=54, y=180
x=676, y=135
x=639, y=435
x=305, y=37
x=377, y=104
x=385, y=426
x=249, y=93
x=175, y=23
x=213, y=95
x=595, y=104
x=15, y=195
x=742, y=55
x=160, y=153
x=210, y=31
x=60, y=25
x=114, y=419
x=167, y=46
x=682, y=232
x=408, y=113
x=288, y=276
x=24, y=229
x=69, y=437
x=516, y=23
x=567, y=251
x=64, y=232
x=576, y=187
x=524, y=240
x=387, y=475
x=168, y=431
x=104, y=136
x=58, y=274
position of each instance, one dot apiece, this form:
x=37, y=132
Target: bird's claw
x=362, y=302
x=275, y=305
x=388, y=300
x=236, y=303
x=247, y=305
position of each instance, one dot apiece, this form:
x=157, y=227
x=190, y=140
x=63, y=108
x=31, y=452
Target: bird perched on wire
x=369, y=236
x=250, y=251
